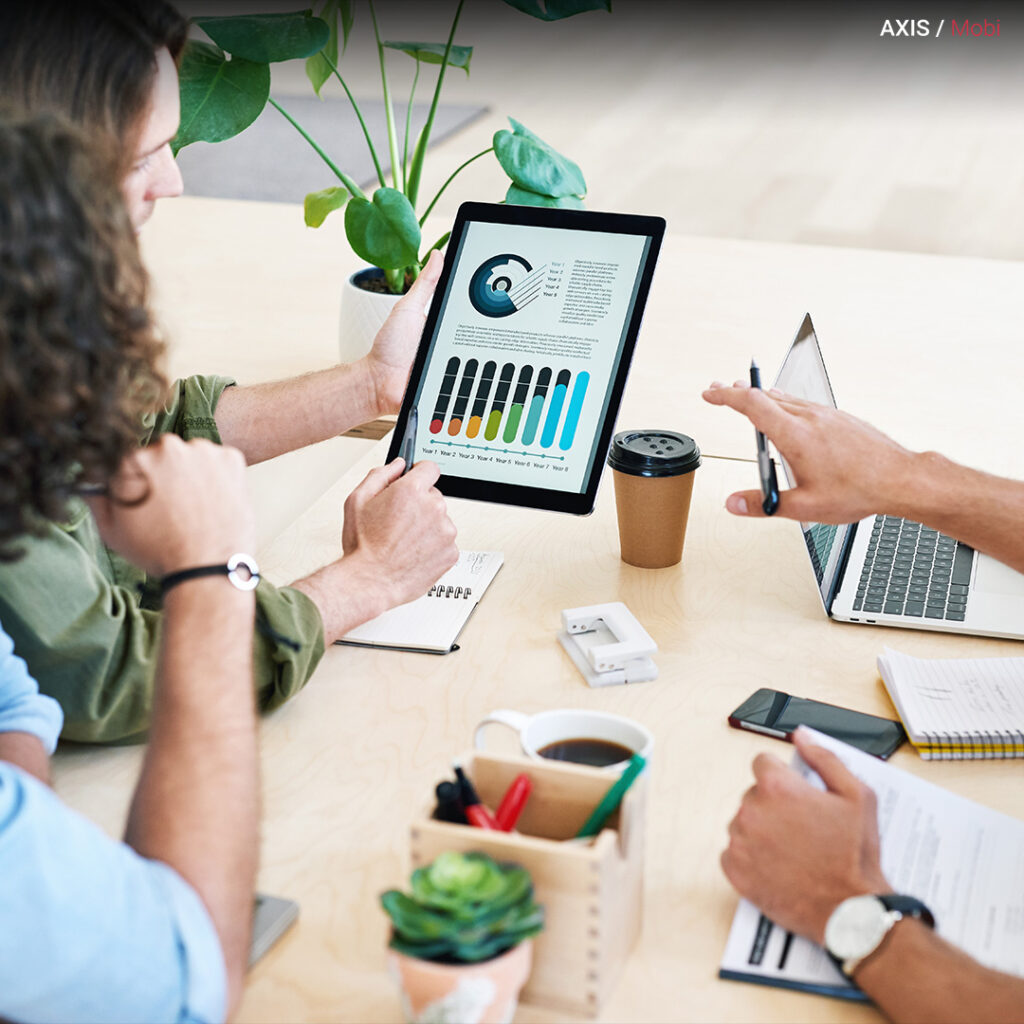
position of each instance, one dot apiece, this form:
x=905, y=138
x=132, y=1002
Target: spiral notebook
x=432, y=623
x=958, y=708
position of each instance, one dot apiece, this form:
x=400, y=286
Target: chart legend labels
x=515, y=415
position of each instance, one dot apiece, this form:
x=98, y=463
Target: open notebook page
x=433, y=622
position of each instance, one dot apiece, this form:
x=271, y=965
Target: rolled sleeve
x=289, y=643
x=189, y=411
x=91, y=930
x=22, y=707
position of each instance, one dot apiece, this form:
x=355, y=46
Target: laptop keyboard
x=912, y=570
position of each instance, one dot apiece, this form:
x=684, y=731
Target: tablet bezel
x=575, y=503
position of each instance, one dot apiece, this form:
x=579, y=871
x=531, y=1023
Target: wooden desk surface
x=351, y=761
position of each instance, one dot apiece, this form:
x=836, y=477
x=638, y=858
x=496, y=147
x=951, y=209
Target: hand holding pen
x=765, y=465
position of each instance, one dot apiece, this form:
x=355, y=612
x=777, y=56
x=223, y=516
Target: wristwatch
x=858, y=926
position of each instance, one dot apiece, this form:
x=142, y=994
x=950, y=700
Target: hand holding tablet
x=525, y=352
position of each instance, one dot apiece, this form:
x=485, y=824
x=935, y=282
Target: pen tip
x=753, y=363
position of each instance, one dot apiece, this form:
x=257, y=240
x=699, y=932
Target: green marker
x=603, y=811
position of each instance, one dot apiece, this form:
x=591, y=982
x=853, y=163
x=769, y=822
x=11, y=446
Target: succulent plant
x=463, y=908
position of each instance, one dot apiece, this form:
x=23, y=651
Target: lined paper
x=950, y=707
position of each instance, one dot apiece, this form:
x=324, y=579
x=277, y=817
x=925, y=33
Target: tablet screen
x=526, y=351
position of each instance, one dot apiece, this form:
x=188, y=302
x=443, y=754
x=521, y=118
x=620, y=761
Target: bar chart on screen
x=536, y=410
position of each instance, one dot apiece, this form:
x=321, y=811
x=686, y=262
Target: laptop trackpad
x=993, y=577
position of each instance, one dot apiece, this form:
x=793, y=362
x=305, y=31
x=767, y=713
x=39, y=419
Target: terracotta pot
x=362, y=314
x=483, y=993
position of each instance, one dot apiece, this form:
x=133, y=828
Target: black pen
x=407, y=449
x=765, y=465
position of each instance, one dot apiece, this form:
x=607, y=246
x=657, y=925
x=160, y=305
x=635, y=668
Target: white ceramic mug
x=547, y=727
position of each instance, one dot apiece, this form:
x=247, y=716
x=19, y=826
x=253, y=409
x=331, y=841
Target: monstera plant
x=225, y=85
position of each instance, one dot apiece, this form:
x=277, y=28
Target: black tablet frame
x=575, y=503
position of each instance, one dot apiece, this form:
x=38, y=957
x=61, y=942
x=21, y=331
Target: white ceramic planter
x=482, y=993
x=362, y=314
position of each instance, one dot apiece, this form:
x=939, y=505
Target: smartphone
x=271, y=918
x=773, y=713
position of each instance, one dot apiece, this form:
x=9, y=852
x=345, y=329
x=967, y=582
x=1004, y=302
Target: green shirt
x=73, y=609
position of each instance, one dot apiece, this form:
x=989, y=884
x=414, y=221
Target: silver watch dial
x=856, y=927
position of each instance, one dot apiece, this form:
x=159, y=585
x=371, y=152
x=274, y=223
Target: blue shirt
x=89, y=930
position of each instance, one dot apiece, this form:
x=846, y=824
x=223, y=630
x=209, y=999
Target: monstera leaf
x=433, y=53
x=318, y=205
x=219, y=97
x=384, y=232
x=555, y=10
x=268, y=38
x=535, y=166
x=339, y=17
x=516, y=196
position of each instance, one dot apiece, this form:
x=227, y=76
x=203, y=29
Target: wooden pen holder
x=592, y=893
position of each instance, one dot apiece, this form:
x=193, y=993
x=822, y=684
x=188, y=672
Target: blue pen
x=765, y=465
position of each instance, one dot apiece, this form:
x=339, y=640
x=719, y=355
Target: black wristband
x=229, y=569
x=908, y=906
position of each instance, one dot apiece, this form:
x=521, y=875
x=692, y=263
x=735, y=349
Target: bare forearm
x=196, y=806
x=27, y=752
x=265, y=420
x=346, y=594
x=984, y=511
x=918, y=976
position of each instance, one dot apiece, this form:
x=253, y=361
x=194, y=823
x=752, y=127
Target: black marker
x=765, y=465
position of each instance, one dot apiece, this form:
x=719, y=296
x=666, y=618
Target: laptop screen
x=803, y=375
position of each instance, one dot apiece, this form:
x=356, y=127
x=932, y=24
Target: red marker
x=477, y=814
x=513, y=802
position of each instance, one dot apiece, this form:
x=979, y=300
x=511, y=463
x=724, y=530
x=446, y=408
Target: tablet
x=527, y=344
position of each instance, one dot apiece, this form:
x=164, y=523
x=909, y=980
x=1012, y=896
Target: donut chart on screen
x=504, y=284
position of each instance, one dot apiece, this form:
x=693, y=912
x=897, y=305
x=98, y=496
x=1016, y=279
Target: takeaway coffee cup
x=653, y=472
x=595, y=738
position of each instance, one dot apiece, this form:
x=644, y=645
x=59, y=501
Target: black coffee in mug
x=586, y=750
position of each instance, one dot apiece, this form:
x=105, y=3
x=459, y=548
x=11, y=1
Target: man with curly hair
x=110, y=65
x=157, y=927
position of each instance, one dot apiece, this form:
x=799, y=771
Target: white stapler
x=608, y=645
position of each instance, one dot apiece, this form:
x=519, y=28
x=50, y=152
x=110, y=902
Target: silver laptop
x=888, y=571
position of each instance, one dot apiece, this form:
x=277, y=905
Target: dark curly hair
x=79, y=354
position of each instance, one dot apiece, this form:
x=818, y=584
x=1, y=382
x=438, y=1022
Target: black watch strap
x=247, y=579
x=908, y=906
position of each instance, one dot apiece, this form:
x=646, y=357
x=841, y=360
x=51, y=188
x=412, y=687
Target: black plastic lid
x=653, y=453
